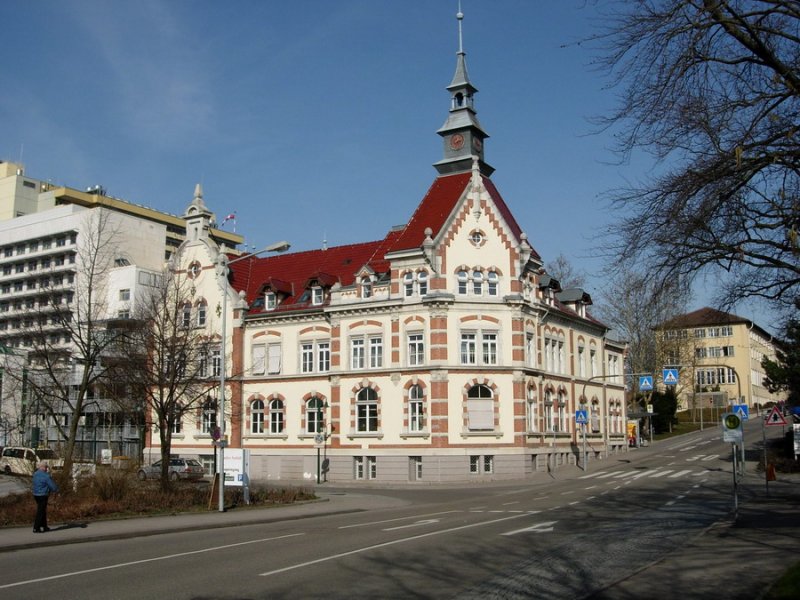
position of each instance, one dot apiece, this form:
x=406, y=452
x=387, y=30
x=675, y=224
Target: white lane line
x=417, y=524
x=680, y=474
x=385, y=544
x=146, y=560
x=444, y=512
x=661, y=473
x=606, y=475
x=510, y=503
x=625, y=474
x=591, y=487
x=538, y=528
x=591, y=475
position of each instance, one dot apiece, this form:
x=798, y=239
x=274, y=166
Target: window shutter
x=274, y=358
x=480, y=413
x=259, y=356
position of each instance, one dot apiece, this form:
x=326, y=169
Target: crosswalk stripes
x=638, y=474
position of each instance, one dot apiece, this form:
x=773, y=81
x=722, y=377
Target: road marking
x=574, y=503
x=591, y=497
x=606, y=475
x=385, y=544
x=510, y=503
x=591, y=475
x=538, y=528
x=147, y=560
x=641, y=474
x=625, y=474
x=417, y=524
x=711, y=457
x=661, y=473
x=670, y=503
x=680, y=474
x=444, y=512
x=568, y=492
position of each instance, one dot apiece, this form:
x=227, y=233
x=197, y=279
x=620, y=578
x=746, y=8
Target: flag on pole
x=230, y=217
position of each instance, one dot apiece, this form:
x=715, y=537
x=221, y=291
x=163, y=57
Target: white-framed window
x=257, y=416
x=209, y=417
x=481, y=464
x=314, y=415
x=273, y=359
x=367, y=410
x=186, y=315
x=492, y=283
x=462, y=279
x=549, y=421
x=561, y=412
x=202, y=311
x=323, y=357
x=530, y=349
x=317, y=295
x=276, y=416
x=480, y=408
x=533, y=416
x=307, y=357
x=177, y=424
x=408, y=284
x=581, y=361
x=365, y=467
x=216, y=362
x=415, y=467
x=366, y=287
x=366, y=351
x=593, y=362
x=477, y=282
x=270, y=301
x=125, y=295
x=489, y=344
x=259, y=359
x=416, y=349
x=416, y=404
x=422, y=282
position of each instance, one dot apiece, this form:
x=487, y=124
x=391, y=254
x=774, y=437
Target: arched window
x=408, y=284
x=367, y=410
x=477, y=282
x=492, y=280
x=209, y=417
x=276, y=416
x=366, y=287
x=533, y=412
x=314, y=415
x=416, y=404
x=549, y=420
x=422, y=280
x=480, y=408
x=462, y=277
x=562, y=412
x=201, y=313
x=257, y=417
x=186, y=315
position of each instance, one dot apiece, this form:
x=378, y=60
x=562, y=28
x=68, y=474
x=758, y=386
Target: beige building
x=440, y=352
x=717, y=352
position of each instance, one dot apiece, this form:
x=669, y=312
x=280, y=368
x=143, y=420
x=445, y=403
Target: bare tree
x=565, y=272
x=634, y=305
x=166, y=359
x=712, y=89
x=68, y=333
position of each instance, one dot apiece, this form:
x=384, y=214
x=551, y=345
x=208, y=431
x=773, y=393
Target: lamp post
x=222, y=273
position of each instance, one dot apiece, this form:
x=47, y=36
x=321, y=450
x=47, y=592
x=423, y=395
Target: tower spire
x=462, y=133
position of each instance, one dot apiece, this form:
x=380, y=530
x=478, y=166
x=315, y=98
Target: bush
x=114, y=493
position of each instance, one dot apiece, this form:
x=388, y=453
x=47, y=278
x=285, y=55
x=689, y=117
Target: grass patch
x=787, y=587
x=118, y=494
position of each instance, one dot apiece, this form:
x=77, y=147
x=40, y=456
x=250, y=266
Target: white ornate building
x=441, y=352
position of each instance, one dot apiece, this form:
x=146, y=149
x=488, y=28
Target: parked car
x=22, y=461
x=179, y=468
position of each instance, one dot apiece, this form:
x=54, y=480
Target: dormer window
x=366, y=287
x=270, y=301
x=316, y=295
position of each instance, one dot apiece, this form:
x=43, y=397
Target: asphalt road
x=560, y=538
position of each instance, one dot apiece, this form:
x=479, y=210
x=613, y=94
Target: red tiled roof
x=295, y=270
x=291, y=273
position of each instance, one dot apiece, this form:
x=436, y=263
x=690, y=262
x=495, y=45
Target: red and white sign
x=775, y=417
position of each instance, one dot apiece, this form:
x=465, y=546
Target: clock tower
x=462, y=133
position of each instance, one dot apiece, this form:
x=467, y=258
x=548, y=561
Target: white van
x=22, y=461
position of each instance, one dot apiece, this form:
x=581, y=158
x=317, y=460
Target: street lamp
x=222, y=273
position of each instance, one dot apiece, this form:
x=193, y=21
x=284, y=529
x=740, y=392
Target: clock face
x=456, y=141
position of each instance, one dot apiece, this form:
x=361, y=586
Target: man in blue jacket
x=43, y=484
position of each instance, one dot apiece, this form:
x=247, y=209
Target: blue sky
x=312, y=119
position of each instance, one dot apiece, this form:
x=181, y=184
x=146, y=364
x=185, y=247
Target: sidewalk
x=17, y=538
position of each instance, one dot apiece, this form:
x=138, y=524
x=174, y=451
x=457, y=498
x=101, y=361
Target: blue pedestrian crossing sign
x=670, y=376
x=742, y=410
x=646, y=383
x=581, y=417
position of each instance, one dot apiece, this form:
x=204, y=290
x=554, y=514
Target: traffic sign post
x=670, y=376
x=582, y=418
x=646, y=383
x=732, y=432
x=774, y=418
